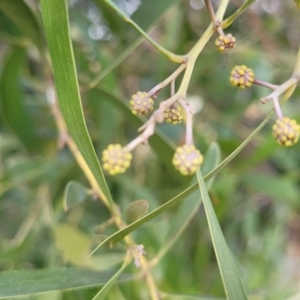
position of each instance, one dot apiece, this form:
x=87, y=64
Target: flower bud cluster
x=242, y=77
x=173, y=114
x=286, y=131
x=225, y=42
x=187, y=159
x=116, y=159
x=141, y=103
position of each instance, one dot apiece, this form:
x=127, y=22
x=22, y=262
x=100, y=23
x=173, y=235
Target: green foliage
x=70, y=231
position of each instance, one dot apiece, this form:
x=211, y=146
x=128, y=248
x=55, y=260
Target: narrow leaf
x=12, y=99
x=226, y=23
x=56, y=23
x=232, y=282
x=24, y=18
x=27, y=282
x=103, y=292
x=189, y=208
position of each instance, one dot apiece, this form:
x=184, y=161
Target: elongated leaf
x=234, y=288
x=23, y=17
x=103, y=292
x=12, y=99
x=189, y=208
x=236, y=14
x=27, y=282
x=55, y=17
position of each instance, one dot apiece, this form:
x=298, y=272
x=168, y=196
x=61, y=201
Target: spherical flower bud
x=141, y=103
x=286, y=131
x=225, y=42
x=187, y=159
x=116, y=159
x=173, y=114
x=242, y=77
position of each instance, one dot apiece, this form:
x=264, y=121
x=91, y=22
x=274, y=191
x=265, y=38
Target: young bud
x=173, y=114
x=141, y=103
x=187, y=159
x=286, y=131
x=242, y=77
x=115, y=159
x=225, y=42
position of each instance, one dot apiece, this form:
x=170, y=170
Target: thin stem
x=265, y=84
x=281, y=89
x=172, y=88
x=277, y=108
x=173, y=57
x=189, y=122
x=211, y=11
x=296, y=72
x=164, y=83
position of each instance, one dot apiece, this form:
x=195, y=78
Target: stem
x=173, y=57
x=189, y=122
x=116, y=215
x=281, y=89
x=277, y=108
x=265, y=84
x=296, y=72
x=164, y=83
x=64, y=137
x=211, y=11
x=172, y=88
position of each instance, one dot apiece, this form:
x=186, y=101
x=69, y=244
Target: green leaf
x=233, y=285
x=73, y=244
x=103, y=292
x=24, y=18
x=28, y=282
x=75, y=193
x=136, y=209
x=12, y=99
x=56, y=24
x=190, y=206
x=226, y=23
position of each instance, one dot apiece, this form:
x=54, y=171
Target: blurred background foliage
x=256, y=197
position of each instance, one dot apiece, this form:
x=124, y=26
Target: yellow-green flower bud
x=242, y=77
x=141, y=103
x=225, y=42
x=187, y=159
x=286, y=131
x=173, y=114
x=116, y=159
